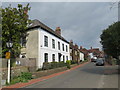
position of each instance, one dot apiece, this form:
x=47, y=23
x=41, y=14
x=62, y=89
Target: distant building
x=74, y=52
x=81, y=56
x=45, y=44
x=85, y=51
x=96, y=52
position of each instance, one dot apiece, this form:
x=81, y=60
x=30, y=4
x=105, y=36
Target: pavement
x=34, y=81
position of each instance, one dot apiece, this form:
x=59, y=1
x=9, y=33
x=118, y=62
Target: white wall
x=81, y=56
x=49, y=49
x=91, y=55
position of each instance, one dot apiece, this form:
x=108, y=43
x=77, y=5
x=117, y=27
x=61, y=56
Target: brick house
x=96, y=52
x=85, y=51
x=74, y=52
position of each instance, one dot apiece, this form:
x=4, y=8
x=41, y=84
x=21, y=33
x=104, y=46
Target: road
x=87, y=76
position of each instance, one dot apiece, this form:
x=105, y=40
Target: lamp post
x=9, y=45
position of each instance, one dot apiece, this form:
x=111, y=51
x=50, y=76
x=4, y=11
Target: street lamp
x=9, y=45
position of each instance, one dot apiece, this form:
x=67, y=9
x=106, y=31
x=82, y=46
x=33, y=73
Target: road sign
x=7, y=55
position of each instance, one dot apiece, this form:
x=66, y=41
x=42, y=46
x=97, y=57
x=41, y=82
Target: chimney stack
x=91, y=47
x=76, y=46
x=58, y=30
x=81, y=47
x=71, y=42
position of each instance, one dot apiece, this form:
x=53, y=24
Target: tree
x=14, y=27
x=110, y=39
x=115, y=4
x=0, y=31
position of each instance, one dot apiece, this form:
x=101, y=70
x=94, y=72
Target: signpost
x=9, y=45
x=8, y=57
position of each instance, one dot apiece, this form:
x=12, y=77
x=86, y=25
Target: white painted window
x=63, y=46
x=66, y=48
x=66, y=57
x=63, y=58
x=53, y=57
x=70, y=50
x=46, y=41
x=75, y=52
x=46, y=57
x=58, y=45
x=53, y=43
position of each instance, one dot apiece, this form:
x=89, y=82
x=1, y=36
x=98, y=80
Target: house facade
x=45, y=44
x=85, y=52
x=74, y=52
x=95, y=52
x=81, y=56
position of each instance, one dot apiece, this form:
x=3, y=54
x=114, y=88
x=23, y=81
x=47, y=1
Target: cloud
x=82, y=22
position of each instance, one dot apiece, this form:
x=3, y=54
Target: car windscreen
x=99, y=60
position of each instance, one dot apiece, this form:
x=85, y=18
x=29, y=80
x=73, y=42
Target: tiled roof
x=96, y=50
x=84, y=50
x=36, y=23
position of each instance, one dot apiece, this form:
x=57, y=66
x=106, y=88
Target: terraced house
x=45, y=44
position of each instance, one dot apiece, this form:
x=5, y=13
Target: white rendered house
x=45, y=44
x=81, y=56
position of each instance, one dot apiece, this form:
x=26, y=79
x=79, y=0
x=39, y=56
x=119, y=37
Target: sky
x=82, y=22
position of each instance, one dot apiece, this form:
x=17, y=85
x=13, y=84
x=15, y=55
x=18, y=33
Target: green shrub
x=15, y=80
x=68, y=66
x=54, y=65
x=73, y=61
x=61, y=64
x=24, y=77
x=46, y=66
x=68, y=63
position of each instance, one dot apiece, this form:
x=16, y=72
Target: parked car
x=100, y=62
x=94, y=59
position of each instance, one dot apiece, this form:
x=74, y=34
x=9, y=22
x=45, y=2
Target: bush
x=52, y=65
x=24, y=77
x=61, y=64
x=68, y=63
x=73, y=61
x=46, y=66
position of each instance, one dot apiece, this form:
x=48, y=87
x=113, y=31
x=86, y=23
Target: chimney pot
x=80, y=47
x=71, y=42
x=91, y=47
x=58, y=30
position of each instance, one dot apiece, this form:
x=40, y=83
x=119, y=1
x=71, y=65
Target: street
x=87, y=76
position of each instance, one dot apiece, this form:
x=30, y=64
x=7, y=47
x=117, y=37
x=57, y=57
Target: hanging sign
x=7, y=55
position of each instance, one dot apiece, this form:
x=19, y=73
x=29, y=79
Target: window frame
x=63, y=58
x=66, y=48
x=53, y=43
x=63, y=47
x=58, y=45
x=45, y=58
x=53, y=57
x=45, y=41
x=66, y=57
